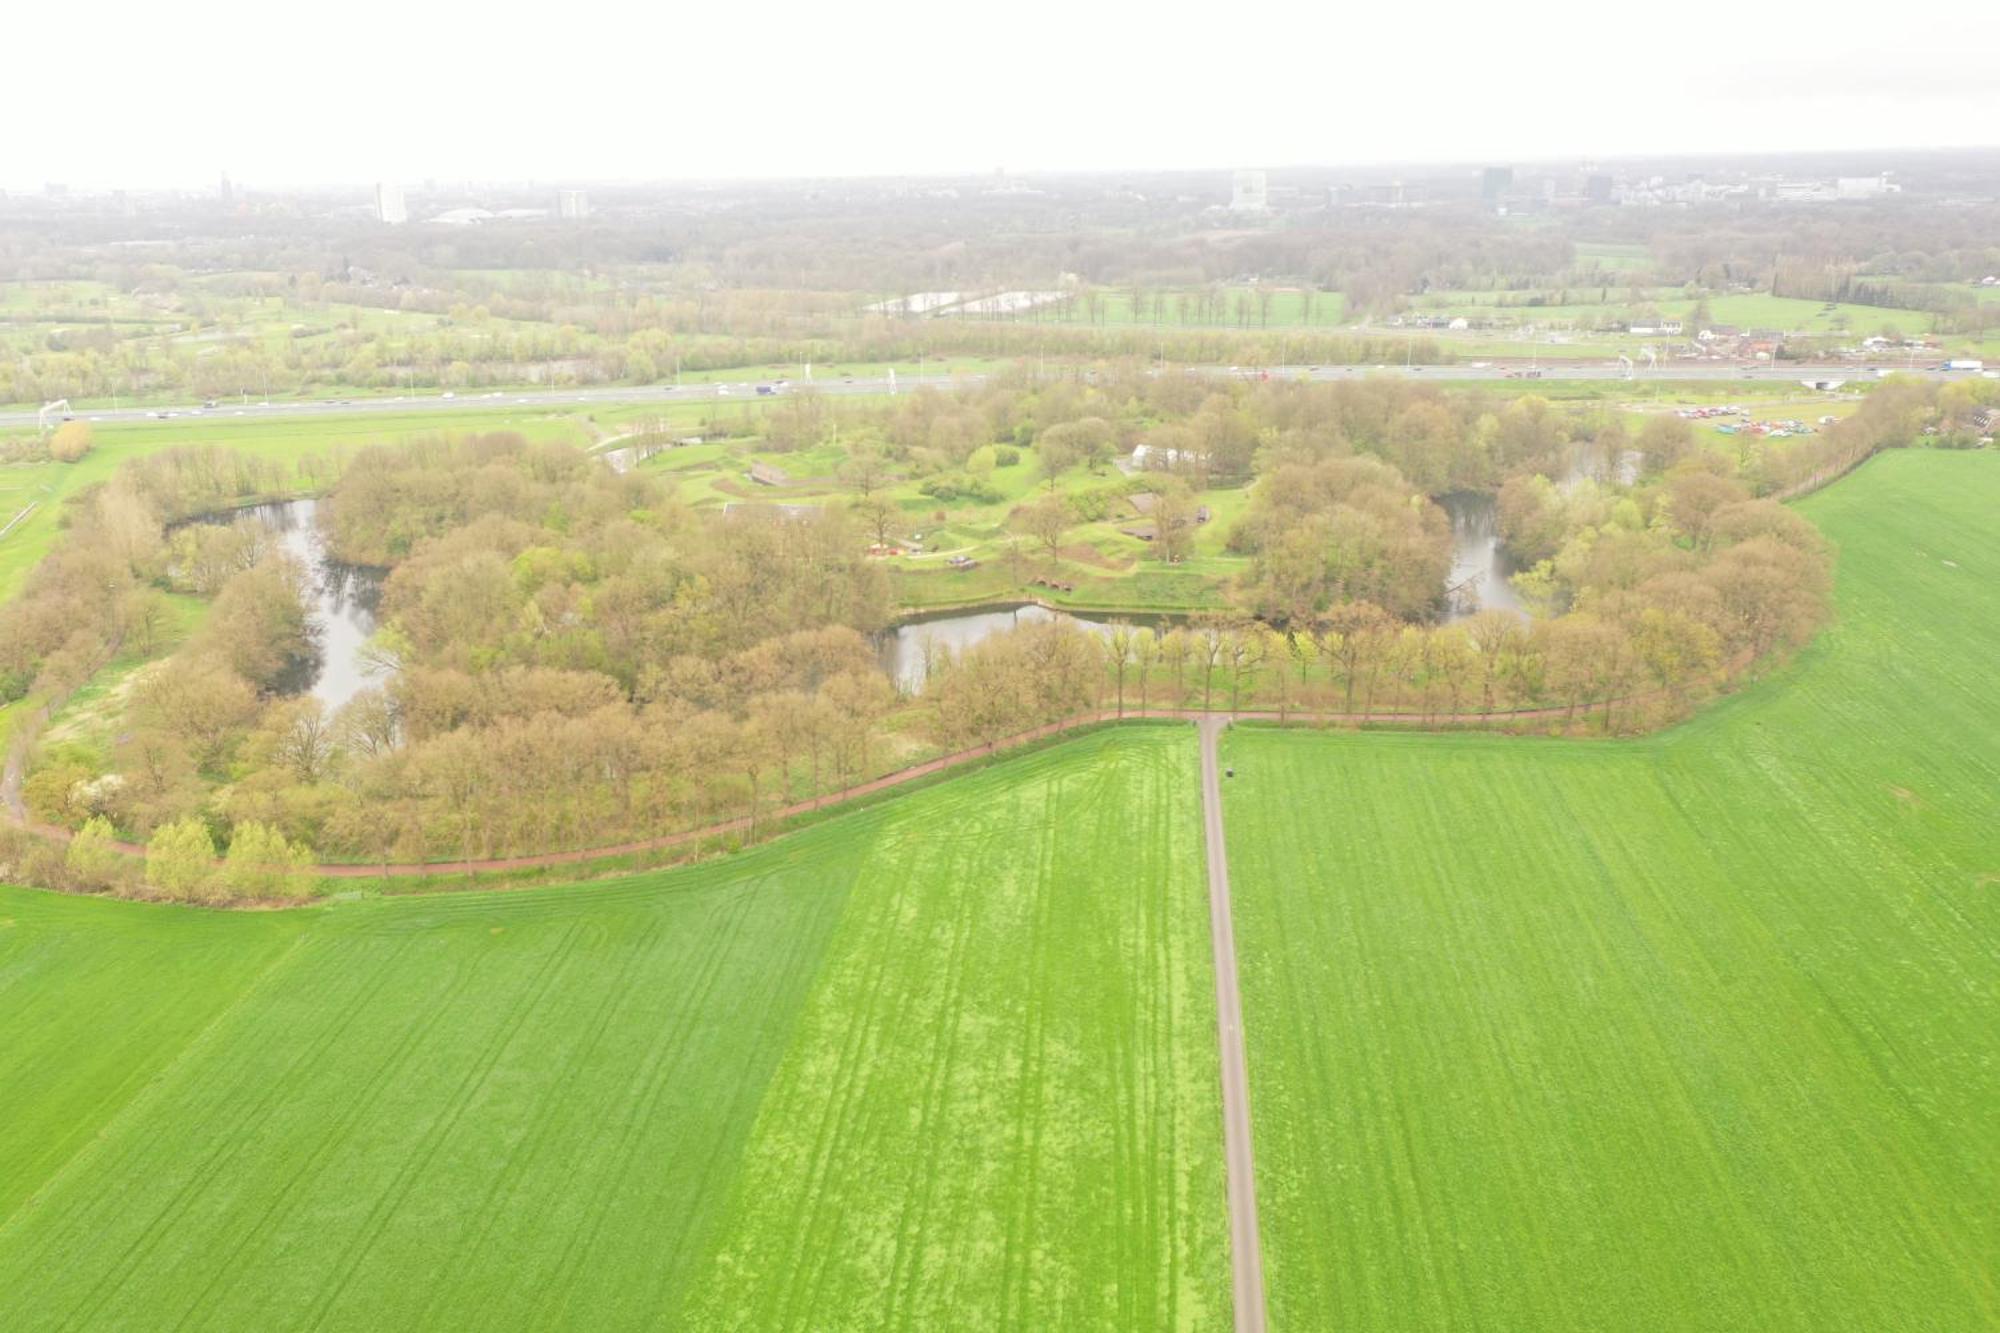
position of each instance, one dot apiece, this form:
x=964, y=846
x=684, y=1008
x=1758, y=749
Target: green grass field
x=949, y=1062
x=1700, y=1031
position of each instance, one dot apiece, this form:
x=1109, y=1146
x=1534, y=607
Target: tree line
x=572, y=657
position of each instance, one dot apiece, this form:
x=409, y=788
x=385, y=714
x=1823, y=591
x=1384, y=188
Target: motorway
x=746, y=391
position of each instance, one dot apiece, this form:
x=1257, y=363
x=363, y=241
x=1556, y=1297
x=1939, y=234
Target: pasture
x=947, y=1062
x=1698, y=1030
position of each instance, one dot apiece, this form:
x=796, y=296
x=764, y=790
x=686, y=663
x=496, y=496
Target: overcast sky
x=275, y=94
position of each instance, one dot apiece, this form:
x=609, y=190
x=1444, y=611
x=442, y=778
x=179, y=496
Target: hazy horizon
x=612, y=97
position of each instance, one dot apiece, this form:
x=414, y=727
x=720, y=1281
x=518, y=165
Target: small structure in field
x=766, y=475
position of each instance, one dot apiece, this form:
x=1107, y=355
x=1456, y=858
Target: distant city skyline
x=903, y=90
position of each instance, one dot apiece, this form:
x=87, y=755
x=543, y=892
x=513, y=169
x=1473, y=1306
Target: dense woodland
x=571, y=657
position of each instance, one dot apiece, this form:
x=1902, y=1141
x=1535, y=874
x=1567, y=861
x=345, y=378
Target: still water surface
x=342, y=599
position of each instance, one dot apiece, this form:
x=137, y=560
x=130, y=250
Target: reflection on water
x=912, y=650
x=1480, y=570
x=1481, y=577
x=343, y=600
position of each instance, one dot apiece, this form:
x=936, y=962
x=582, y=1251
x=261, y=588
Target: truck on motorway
x=1963, y=364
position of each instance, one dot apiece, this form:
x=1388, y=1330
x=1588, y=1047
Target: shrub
x=52, y=793
x=957, y=486
x=70, y=442
x=1090, y=506
x=262, y=864
x=92, y=861
x=180, y=860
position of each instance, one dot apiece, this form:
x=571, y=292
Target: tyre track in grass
x=1246, y=1255
x=136, y=1104
x=967, y=921
x=544, y=1127
x=809, y=1247
x=228, y=1148
x=390, y=1200
x=360, y=1103
x=746, y=1097
x=663, y=1070
x=1015, y=1287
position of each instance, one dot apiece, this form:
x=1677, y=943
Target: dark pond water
x=911, y=649
x=1481, y=577
x=1480, y=570
x=343, y=599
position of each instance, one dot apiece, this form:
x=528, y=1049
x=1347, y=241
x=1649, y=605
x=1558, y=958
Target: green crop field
x=1700, y=1031
x=1172, y=308
x=947, y=1062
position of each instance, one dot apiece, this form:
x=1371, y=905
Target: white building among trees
x=1250, y=194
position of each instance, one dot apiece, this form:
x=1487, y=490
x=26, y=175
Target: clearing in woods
x=1698, y=1030
x=949, y=1062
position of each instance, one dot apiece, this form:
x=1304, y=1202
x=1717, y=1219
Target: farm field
x=1001, y=1106
x=1563, y=328
x=1171, y=308
x=1747, y=310
x=824, y=1081
x=1698, y=1030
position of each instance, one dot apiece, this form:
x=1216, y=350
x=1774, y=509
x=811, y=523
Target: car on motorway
x=449, y=394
